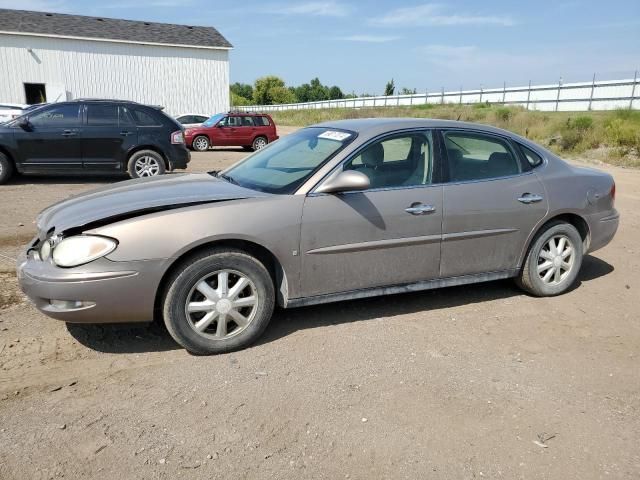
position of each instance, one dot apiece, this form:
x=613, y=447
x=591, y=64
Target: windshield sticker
x=334, y=135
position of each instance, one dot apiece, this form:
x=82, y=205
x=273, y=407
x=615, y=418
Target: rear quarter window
x=144, y=118
x=261, y=121
x=532, y=157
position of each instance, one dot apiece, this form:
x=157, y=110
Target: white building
x=53, y=57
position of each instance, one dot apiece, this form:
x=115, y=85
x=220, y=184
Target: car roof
x=380, y=125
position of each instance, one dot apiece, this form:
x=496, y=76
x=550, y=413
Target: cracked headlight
x=81, y=249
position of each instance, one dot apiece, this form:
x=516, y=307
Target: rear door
x=54, y=142
x=107, y=137
x=492, y=201
x=387, y=235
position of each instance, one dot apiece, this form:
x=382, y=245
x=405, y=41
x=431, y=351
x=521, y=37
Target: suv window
x=57, y=116
x=261, y=121
x=102, y=114
x=474, y=156
x=532, y=157
x=247, y=121
x=403, y=160
x=231, y=122
x=144, y=118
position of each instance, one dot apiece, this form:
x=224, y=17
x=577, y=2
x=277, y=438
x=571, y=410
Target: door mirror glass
x=345, y=181
x=25, y=124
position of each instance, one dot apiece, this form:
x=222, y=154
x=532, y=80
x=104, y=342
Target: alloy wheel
x=556, y=259
x=147, y=166
x=201, y=144
x=221, y=304
x=259, y=143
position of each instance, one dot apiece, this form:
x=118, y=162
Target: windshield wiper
x=228, y=178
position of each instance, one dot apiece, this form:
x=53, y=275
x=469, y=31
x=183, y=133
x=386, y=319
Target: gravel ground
x=478, y=381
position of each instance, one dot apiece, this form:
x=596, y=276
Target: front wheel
x=201, y=143
x=219, y=301
x=553, y=261
x=6, y=168
x=146, y=163
x=259, y=143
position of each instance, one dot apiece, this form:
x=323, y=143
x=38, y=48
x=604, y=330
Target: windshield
x=213, y=120
x=286, y=164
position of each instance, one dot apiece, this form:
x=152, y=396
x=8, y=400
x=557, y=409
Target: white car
x=9, y=111
x=192, y=119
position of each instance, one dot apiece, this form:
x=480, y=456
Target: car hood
x=137, y=197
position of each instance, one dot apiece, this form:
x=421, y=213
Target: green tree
x=238, y=101
x=408, y=91
x=271, y=89
x=335, y=93
x=390, y=88
x=243, y=90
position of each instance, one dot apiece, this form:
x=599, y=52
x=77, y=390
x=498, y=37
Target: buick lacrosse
x=337, y=211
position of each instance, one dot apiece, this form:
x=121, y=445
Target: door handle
x=528, y=198
x=420, y=209
x=69, y=133
x=125, y=134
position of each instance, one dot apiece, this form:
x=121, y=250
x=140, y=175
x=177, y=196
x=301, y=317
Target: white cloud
x=434, y=14
x=317, y=9
x=369, y=38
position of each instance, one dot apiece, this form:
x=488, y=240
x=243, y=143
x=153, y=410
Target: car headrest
x=501, y=163
x=373, y=156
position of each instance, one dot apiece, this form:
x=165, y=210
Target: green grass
x=612, y=137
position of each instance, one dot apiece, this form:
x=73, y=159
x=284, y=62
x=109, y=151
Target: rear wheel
x=259, y=143
x=219, y=301
x=200, y=143
x=553, y=261
x=146, y=163
x=6, y=168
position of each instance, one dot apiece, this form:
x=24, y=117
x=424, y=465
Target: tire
x=6, y=168
x=259, y=143
x=542, y=261
x=210, y=267
x=146, y=163
x=201, y=143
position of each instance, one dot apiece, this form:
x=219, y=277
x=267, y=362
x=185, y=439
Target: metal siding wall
x=180, y=79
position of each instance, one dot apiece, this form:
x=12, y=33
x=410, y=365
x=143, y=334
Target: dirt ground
x=469, y=382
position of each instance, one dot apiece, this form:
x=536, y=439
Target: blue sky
x=359, y=45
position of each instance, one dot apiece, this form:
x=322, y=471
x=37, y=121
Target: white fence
x=582, y=96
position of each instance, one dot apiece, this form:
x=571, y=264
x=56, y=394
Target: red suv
x=248, y=130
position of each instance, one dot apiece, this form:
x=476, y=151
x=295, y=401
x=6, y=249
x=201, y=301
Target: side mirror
x=347, y=180
x=25, y=124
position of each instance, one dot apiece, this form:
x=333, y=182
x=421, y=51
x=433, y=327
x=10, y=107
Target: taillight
x=177, y=137
x=612, y=193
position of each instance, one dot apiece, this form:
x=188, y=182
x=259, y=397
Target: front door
x=53, y=141
x=229, y=131
x=387, y=235
x=492, y=202
x=108, y=135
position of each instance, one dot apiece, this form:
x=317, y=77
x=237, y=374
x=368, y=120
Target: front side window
x=185, y=119
x=56, y=116
x=286, y=164
x=105, y=115
x=199, y=119
x=400, y=161
x=474, y=156
x=232, y=122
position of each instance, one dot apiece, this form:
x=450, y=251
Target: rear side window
x=247, y=121
x=261, y=121
x=144, y=118
x=474, y=156
x=532, y=157
x=105, y=115
x=199, y=119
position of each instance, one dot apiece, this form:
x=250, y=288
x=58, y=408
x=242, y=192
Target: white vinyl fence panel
x=581, y=96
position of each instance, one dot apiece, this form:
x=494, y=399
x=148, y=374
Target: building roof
x=109, y=29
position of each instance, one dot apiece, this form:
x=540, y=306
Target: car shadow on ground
x=154, y=337
x=77, y=179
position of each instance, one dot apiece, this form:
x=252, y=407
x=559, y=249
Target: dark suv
x=93, y=137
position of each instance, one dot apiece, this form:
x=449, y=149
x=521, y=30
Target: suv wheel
x=219, y=301
x=6, y=168
x=259, y=143
x=146, y=163
x=201, y=143
x=553, y=261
